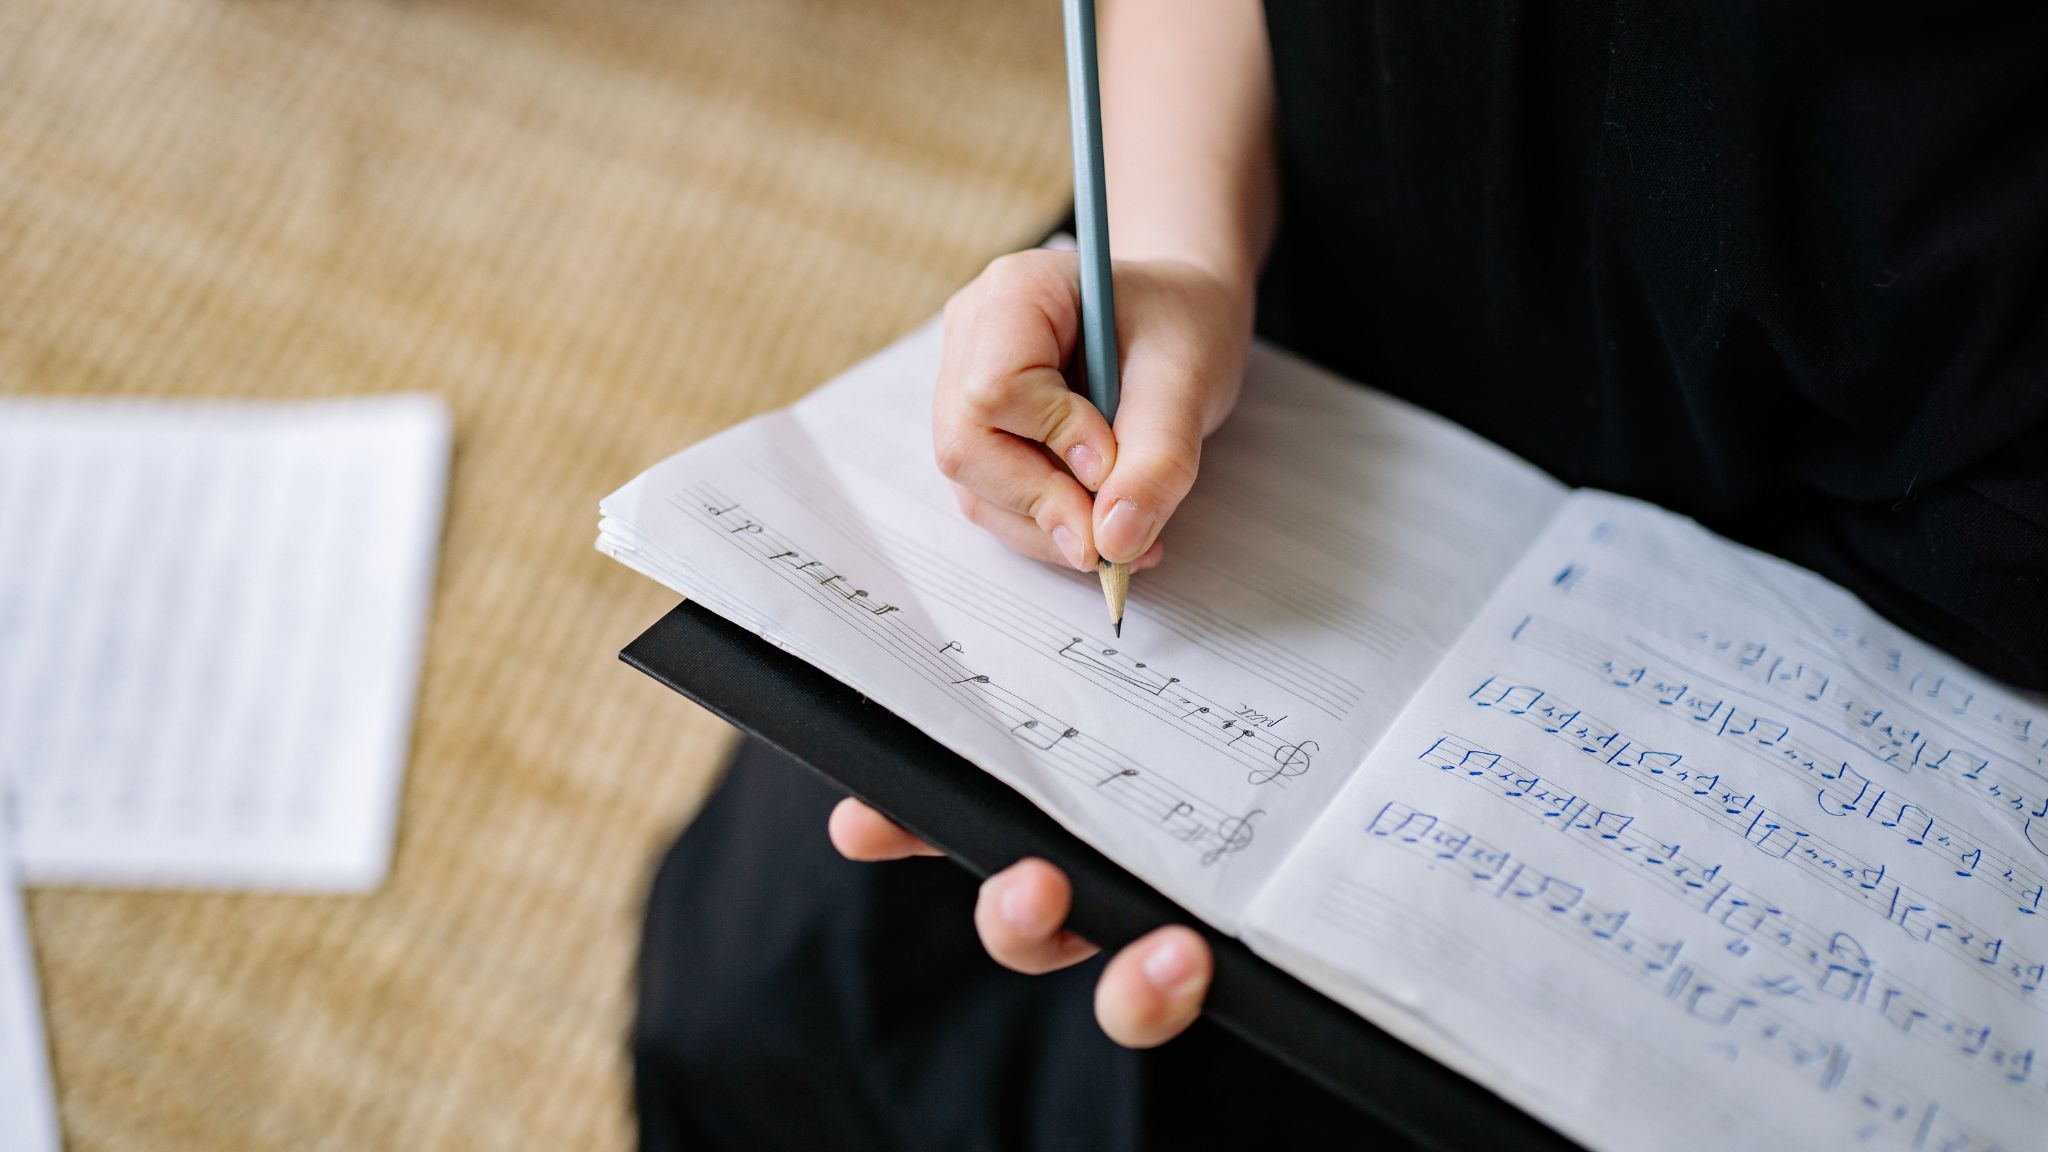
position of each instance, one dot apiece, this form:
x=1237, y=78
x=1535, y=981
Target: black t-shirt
x=1778, y=267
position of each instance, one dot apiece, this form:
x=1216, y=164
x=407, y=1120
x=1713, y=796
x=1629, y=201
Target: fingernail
x=1070, y=547
x=1172, y=967
x=1086, y=463
x=1015, y=905
x=1124, y=530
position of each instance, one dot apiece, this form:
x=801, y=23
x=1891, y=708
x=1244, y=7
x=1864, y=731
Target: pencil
x=1091, y=227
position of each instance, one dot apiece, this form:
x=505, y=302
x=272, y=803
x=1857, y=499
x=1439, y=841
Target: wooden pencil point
x=1116, y=585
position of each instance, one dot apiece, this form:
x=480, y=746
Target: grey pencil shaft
x=1091, y=210
x=1091, y=226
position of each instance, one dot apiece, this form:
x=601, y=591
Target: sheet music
x=1684, y=848
x=28, y=1111
x=1298, y=606
x=210, y=626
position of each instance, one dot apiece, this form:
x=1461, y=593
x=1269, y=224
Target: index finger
x=863, y=834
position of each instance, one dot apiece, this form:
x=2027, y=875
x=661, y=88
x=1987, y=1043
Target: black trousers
x=791, y=999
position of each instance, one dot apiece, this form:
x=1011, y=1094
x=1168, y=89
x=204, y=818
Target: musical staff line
x=1242, y=731
x=1810, y=669
x=941, y=577
x=2026, y=724
x=1211, y=831
x=1842, y=790
x=1839, y=967
x=1772, y=833
x=1668, y=968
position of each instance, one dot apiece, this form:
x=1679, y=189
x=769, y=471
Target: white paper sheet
x=28, y=1111
x=1684, y=848
x=1298, y=608
x=210, y=627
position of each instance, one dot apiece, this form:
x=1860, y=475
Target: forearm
x=1187, y=102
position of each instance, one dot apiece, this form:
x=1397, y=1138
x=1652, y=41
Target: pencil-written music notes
x=1700, y=856
x=1250, y=736
x=1044, y=736
x=1194, y=749
x=1210, y=833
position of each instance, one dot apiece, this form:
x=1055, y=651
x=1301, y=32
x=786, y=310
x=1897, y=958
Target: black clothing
x=1782, y=270
x=790, y=999
x=1779, y=269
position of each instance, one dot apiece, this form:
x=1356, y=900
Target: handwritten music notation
x=1249, y=734
x=1741, y=1014
x=1840, y=790
x=1946, y=697
x=1209, y=830
x=1293, y=673
x=1888, y=733
x=1828, y=964
x=1719, y=796
x=1914, y=723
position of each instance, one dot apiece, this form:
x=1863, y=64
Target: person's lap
x=791, y=999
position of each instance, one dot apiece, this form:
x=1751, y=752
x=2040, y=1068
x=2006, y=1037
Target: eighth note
x=1030, y=733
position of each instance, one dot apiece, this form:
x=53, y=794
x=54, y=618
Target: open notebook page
x=28, y=1113
x=1682, y=847
x=1337, y=543
x=210, y=626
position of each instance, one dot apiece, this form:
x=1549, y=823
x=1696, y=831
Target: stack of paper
x=28, y=1116
x=211, y=619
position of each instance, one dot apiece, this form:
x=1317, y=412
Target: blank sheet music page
x=1683, y=847
x=211, y=617
x=1335, y=546
x=28, y=1113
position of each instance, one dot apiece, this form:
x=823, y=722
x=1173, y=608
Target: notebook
x=1669, y=843
x=211, y=619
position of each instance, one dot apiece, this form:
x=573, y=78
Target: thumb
x=1158, y=445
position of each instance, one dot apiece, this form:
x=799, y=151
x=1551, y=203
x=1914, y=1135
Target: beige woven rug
x=604, y=230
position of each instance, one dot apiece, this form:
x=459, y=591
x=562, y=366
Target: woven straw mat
x=603, y=229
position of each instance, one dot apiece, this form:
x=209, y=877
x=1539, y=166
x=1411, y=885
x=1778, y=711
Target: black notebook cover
x=872, y=753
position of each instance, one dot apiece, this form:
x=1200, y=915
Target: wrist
x=1234, y=272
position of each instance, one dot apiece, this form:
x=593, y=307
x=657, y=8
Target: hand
x=1149, y=993
x=1004, y=417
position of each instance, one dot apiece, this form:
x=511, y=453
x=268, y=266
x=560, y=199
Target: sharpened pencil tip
x=1116, y=582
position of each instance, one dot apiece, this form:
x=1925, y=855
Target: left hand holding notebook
x=1148, y=994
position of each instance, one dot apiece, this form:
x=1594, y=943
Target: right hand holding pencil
x=1004, y=417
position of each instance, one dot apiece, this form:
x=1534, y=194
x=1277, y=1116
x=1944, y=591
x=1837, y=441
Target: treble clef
x=1288, y=760
x=1232, y=835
